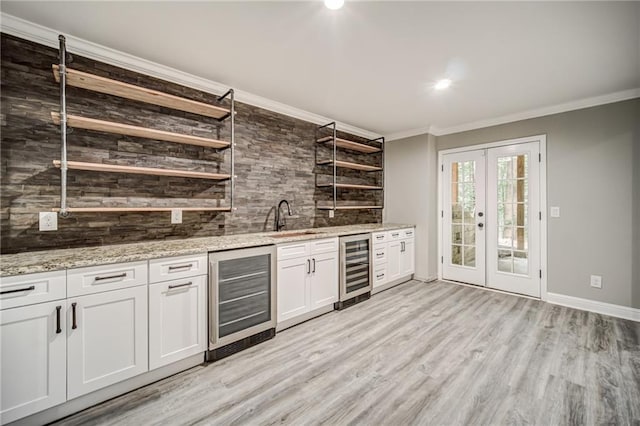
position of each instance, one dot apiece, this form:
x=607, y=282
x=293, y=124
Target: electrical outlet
x=331, y=214
x=48, y=221
x=176, y=216
x=555, y=212
x=596, y=281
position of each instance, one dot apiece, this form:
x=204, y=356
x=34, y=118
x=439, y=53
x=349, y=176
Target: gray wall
x=275, y=159
x=593, y=164
x=409, y=198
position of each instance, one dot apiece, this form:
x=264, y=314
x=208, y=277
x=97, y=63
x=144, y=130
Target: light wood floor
x=419, y=353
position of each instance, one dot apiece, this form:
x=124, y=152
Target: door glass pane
x=463, y=213
x=513, y=212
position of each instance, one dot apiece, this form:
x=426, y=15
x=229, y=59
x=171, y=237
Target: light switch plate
x=48, y=221
x=331, y=214
x=596, y=281
x=555, y=211
x=176, y=216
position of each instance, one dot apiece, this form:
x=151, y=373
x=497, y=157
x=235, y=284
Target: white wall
x=410, y=195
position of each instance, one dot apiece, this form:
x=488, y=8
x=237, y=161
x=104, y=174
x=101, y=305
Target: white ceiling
x=372, y=64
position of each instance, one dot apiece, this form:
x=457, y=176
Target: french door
x=491, y=218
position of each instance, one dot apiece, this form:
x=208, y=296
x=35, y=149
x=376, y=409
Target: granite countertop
x=52, y=260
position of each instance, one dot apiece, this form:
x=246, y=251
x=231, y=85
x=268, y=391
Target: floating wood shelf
x=353, y=146
x=141, y=209
x=347, y=186
x=354, y=166
x=140, y=132
x=112, y=168
x=129, y=91
x=349, y=207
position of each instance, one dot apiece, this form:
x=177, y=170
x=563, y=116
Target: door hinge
x=441, y=213
x=540, y=273
x=442, y=168
x=540, y=215
x=539, y=158
x=441, y=259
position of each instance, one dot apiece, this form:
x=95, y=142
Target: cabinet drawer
x=324, y=246
x=177, y=267
x=96, y=279
x=293, y=250
x=379, y=237
x=22, y=290
x=380, y=276
x=408, y=233
x=395, y=234
x=379, y=254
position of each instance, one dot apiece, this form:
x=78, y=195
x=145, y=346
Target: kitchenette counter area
x=51, y=260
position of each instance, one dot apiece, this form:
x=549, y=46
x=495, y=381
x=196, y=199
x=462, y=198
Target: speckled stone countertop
x=52, y=260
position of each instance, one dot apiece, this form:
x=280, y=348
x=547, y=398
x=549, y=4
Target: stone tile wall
x=275, y=158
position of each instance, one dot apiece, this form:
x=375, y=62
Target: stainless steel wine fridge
x=355, y=270
x=242, y=300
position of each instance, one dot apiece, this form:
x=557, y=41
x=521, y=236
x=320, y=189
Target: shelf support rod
x=63, y=126
x=233, y=144
x=335, y=168
x=383, y=168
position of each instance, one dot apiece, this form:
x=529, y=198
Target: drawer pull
x=380, y=275
x=110, y=277
x=173, y=268
x=379, y=254
x=379, y=237
x=18, y=290
x=172, y=286
x=395, y=234
x=58, y=329
x=74, y=322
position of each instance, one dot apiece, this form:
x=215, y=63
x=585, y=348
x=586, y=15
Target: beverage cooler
x=355, y=269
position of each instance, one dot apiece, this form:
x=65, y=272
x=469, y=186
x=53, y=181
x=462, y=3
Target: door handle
x=58, y=329
x=314, y=265
x=74, y=323
x=308, y=266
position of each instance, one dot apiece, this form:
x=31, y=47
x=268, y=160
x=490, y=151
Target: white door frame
x=542, y=139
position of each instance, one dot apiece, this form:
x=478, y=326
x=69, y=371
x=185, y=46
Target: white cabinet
x=307, y=280
x=106, y=339
x=33, y=362
x=393, y=257
x=177, y=320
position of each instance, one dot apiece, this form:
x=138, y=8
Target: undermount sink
x=294, y=234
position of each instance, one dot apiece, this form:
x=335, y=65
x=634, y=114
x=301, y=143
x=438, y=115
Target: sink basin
x=294, y=234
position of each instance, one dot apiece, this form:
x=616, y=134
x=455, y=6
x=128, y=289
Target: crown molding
x=27, y=30
x=524, y=115
x=540, y=112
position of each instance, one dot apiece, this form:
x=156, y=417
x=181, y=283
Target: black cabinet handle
x=314, y=265
x=58, y=329
x=308, y=266
x=74, y=323
x=18, y=290
x=480, y=225
x=171, y=268
x=171, y=287
x=122, y=275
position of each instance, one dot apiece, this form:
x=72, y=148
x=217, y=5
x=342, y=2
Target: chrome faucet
x=280, y=222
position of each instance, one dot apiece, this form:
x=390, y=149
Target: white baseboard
x=618, y=311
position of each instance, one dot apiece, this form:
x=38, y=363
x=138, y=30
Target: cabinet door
x=109, y=343
x=324, y=287
x=33, y=359
x=407, y=258
x=393, y=263
x=177, y=320
x=292, y=287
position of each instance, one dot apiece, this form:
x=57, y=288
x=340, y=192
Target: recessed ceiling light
x=334, y=4
x=442, y=84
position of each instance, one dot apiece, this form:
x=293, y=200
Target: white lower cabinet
x=33, y=359
x=393, y=264
x=394, y=259
x=407, y=257
x=308, y=282
x=106, y=339
x=177, y=320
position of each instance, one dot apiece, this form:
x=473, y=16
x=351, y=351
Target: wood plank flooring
x=420, y=353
